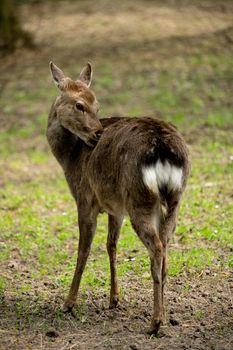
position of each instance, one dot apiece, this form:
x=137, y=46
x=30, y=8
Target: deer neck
x=61, y=140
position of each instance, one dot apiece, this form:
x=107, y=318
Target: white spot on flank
x=160, y=174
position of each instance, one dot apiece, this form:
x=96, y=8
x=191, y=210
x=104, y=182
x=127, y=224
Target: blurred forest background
x=169, y=59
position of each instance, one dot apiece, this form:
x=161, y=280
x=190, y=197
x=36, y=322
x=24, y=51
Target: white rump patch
x=158, y=175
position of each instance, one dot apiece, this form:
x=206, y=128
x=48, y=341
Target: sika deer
x=134, y=166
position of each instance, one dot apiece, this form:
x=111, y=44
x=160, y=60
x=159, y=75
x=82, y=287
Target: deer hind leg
x=147, y=230
x=164, y=279
x=166, y=230
x=114, y=226
x=87, y=226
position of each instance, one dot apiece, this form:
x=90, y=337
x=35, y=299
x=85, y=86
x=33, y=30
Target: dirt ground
x=199, y=310
x=98, y=327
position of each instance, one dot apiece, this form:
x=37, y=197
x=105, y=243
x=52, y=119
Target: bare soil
x=199, y=316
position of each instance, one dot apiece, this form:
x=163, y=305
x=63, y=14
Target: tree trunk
x=11, y=32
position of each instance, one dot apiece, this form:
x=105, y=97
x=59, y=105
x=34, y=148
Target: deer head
x=77, y=106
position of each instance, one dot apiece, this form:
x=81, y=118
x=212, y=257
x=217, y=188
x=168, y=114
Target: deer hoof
x=154, y=328
x=114, y=302
x=68, y=306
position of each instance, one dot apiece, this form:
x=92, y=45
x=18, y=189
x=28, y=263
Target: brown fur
x=107, y=176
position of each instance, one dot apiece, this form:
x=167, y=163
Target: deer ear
x=57, y=73
x=86, y=74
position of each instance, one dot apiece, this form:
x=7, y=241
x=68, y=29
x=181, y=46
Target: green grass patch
x=195, y=259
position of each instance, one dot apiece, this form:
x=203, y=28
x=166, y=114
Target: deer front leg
x=87, y=226
x=114, y=226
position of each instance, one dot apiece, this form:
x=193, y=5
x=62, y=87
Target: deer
x=135, y=166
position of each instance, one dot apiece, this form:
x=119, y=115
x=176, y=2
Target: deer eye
x=80, y=107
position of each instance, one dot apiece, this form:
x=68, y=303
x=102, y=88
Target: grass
x=38, y=220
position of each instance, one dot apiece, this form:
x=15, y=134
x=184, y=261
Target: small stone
x=135, y=251
x=12, y=265
x=174, y=322
x=213, y=299
x=197, y=333
x=179, y=282
x=146, y=314
x=133, y=347
x=52, y=333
